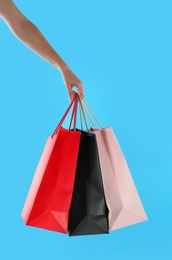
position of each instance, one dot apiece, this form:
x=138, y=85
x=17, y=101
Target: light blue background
x=121, y=50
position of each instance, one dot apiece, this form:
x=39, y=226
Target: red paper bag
x=49, y=198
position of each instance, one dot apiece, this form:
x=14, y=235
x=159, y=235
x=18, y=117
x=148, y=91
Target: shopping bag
x=122, y=198
x=125, y=207
x=49, y=198
x=88, y=212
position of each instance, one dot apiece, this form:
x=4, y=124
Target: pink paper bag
x=122, y=198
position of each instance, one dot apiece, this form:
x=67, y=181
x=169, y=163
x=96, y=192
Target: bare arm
x=30, y=35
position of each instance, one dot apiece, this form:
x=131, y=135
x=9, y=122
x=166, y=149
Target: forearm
x=30, y=35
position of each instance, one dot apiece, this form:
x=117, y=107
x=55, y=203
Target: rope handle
x=83, y=113
x=74, y=115
x=86, y=108
x=65, y=114
x=80, y=113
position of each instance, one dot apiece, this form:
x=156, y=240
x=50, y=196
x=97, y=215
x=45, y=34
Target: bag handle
x=80, y=110
x=82, y=113
x=64, y=116
x=86, y=108
x=74, y=114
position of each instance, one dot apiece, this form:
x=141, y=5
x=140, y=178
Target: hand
x=71, y=80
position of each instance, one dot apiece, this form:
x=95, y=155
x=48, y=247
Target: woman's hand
x=71, y=80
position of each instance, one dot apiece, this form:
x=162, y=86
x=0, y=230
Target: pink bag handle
x=65, y=114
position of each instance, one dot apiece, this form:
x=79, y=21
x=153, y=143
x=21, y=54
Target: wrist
x=62, y=66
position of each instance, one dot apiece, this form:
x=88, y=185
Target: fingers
x=80, y=89
x=71, y=80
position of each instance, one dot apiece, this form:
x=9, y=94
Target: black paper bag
x=88, y=211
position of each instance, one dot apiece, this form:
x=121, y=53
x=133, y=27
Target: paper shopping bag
x=49, y=198
x=122, y=198
x=88, y=212
x=123, y=201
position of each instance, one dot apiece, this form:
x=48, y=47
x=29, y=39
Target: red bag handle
x=74, y=114
x=65, y=114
